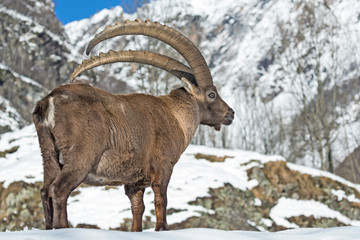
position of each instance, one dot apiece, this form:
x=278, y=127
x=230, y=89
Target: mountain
x=35, y=57
x=288, y=68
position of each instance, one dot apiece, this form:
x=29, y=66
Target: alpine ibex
x=89, y=135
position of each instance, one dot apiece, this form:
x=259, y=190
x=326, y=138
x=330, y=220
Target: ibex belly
x=117, y=169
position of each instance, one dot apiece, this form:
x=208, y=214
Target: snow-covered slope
x=192, y=178
x=94, y=205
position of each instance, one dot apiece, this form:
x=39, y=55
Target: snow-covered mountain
x=35, y=57
x=275, y=62
x=288, y=68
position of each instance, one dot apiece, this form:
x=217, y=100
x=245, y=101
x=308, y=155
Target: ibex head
x=196, y=79
x=215, y=111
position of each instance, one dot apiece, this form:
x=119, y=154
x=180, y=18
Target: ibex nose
x=229, y=117
x=231, y=113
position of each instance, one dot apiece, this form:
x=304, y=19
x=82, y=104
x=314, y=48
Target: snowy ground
x=341, y=233
x=94, y=205
x=191, y=178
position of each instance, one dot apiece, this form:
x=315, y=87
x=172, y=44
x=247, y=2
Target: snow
x=25, y=164
x=246, y=33
x=36, y=27
x=9, y=116
x=21, y=77
x=84, y=26
x=340, y=233
x=342, y=195
x=286, y=208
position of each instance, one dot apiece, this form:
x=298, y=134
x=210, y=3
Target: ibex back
x=89, y=135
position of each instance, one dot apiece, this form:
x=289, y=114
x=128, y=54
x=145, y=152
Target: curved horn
x=166, y=63
x=166, y=34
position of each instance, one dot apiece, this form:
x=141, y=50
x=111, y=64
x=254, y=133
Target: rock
x=11, y=150
x=88, y=226
x=236, y=209
x=20, y=206
x=311, y=221
x=232, y=207
x=211, y=158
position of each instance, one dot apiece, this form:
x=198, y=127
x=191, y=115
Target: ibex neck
x=186, y=110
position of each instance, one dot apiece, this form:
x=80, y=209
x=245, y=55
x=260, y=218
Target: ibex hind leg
x=70, y=177
x=159, y=183
x=51, y=171
x=45, y=197
x=136, y=195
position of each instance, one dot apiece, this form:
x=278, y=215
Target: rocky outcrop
x=233, y=210
x=250, y=209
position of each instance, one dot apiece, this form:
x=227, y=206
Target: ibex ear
x=189, y=87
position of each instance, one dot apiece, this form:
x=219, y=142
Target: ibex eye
x=212, y=95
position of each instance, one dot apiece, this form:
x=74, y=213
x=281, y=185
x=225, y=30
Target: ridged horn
x=166, y=63
x=163, y=33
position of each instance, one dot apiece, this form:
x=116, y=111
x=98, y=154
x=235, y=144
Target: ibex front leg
x=136, y=195
x=159, y=185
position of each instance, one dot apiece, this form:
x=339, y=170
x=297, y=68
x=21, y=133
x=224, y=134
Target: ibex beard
x=89, y=135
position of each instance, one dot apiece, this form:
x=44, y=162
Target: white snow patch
x=340, y=194
x=10, y=117
x=21, y=77
x=286, y=208
x=257, y=202
x=267, y=222
x=25, y=164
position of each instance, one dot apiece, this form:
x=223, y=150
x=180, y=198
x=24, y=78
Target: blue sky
x=71, y=10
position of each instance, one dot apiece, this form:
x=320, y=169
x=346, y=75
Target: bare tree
x=313, y=64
